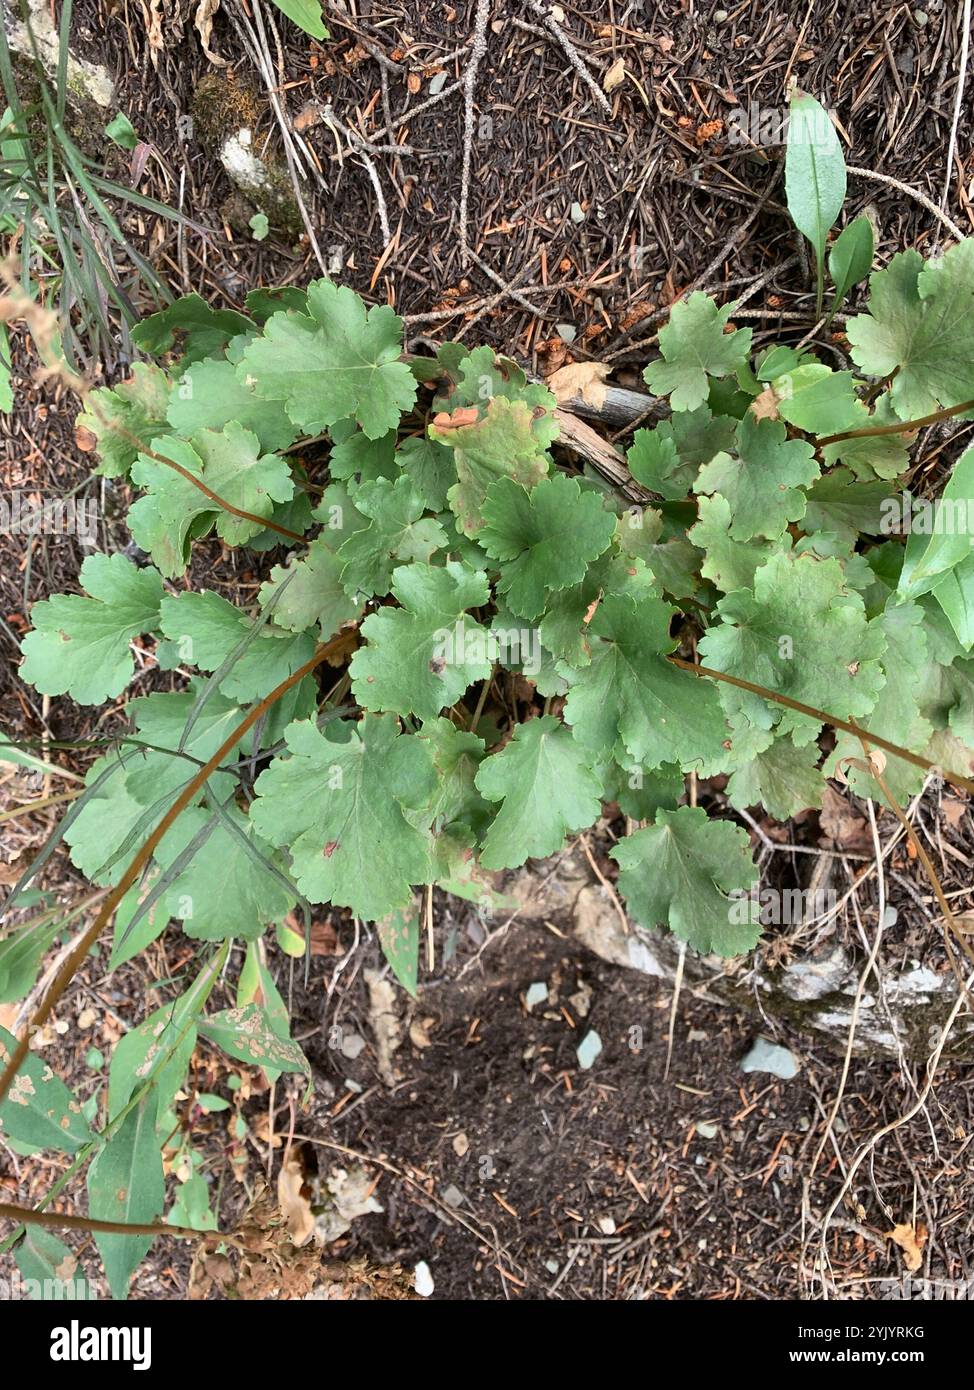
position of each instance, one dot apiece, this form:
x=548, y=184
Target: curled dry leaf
x=579, y=381
x=953, y=810
x=152, y=14
x=294, y=1204
x=615, y=76
x=911, y=1241
x=765, y=405
x=84, y=439
x=203, y=24
x=463, y=415
x=840, y=822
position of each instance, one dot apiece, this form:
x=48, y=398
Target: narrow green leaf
x=125, y=1183
x=21, y=953
x=50, y=1270
x=815, y=177
x=122, y=131
x=851, y=257
x=306, y=14
x=399, y=939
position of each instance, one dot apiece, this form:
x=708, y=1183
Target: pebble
x=769, y=1057
x=588, y=1049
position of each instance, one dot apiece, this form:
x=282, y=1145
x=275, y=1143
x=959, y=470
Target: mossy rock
x=225, y=114
x=221, y=105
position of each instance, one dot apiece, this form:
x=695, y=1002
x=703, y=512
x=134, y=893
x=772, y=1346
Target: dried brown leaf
x=582, y=380
x=911, y=1241
x=290, y=1194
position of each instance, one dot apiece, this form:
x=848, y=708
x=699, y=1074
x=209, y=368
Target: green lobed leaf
x=80, y=646
x=339, y=808
x=339, y=361
x=311, y=591
x=124, y=416
x=545, y=538
x=696, y=346
x=509, y=440
x=174, y=511
x=548, y=789
x=816, y=399
x=209, y=395
x=397, y=530
x=224, y=891
x=802, y=633
x=782, y=778
x=207, y=629
x=763, y=481
x=918, y=330
x=421, y=657
x=203, y=331
x=729, y=563
x=681, y=872
x=630, y=696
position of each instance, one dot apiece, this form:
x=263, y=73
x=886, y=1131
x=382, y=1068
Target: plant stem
x=26, y=1216
x=823, y=717
x=907, y=426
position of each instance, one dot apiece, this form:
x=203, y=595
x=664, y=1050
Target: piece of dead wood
x=582, y=441
x=385, y=1021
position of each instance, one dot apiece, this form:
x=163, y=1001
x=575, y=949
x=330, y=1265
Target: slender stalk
x=26, y=1216
x=907, y=427
x=824, y=717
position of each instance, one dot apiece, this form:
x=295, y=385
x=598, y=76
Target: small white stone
x=537, y=993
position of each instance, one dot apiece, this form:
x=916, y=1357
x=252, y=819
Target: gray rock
x=769, y=1057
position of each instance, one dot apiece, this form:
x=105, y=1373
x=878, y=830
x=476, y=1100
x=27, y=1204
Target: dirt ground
x=498, y=1161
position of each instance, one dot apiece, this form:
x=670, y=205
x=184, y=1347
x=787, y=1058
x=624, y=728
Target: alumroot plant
x=435, y=552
